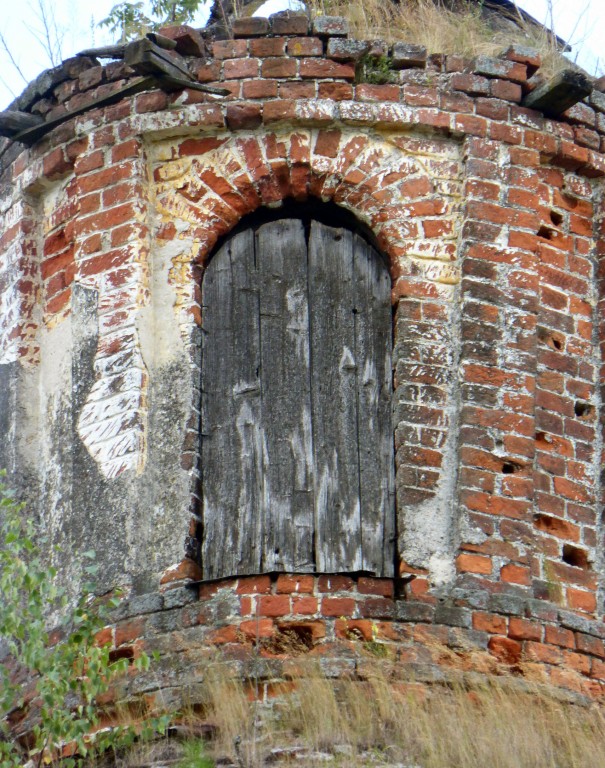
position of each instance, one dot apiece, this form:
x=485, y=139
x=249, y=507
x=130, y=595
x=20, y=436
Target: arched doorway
x=297, y=443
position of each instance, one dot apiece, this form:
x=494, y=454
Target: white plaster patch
x=112, y=423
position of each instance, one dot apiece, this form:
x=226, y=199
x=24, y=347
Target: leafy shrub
x=51, y=685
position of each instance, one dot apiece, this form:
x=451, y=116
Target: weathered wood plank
x=334, y=400
x=232, y=442
x=30, y=135
x=105, y=52
x=161, y=40
x=147, y=58
x=281, y=257
x=12, y=122
x=373, y=343
x=167, y=83
x=560, y=93
x=297, y=445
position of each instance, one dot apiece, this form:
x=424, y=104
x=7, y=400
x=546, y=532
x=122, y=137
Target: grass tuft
x=382, y=719
x=465, y=28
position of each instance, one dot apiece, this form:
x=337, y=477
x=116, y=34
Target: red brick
x=56, y=165
x=505, y=649
x=104, y=637
x=337, y=606
x=377, y=608
x=257, y=628
x=259, y=89
x=367, y=92
x=521, y=629
x=227, y=49
x=505, y=90
x=279, y=68
x=352, y=629
x=371, y=586
x=327, y=143
x=154, y=101
x=581, y=600
x=489, y=622
x=297, y=90
x=597, y=669
x=335, y=583
x=224, y=635
x=304, y=605
x=252, y=585
x=276, y=111
x=474, y=564
x=555, y=526
x=129, y=631
x=559, y=636
x=515, y=574
x=326, y=68
x=290, y=24
x=305, y=46
x=273, y=605
x=288, y=583
x=243, y=116
x=235, y=69
x=543, y=653
x=335, y=91
x=588, y=644
x=577, y=662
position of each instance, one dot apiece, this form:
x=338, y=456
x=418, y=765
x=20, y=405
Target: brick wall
x=490, y=217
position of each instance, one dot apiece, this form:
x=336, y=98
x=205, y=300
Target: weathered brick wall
x=490, y=217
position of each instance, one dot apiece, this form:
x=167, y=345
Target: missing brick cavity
x=575, y=556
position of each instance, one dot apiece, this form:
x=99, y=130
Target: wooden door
x=297, y=443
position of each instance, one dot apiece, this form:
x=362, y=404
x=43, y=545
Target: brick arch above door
x=406, y=188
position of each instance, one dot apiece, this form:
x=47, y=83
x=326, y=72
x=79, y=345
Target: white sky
x=580, y=21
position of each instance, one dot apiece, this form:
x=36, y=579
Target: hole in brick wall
x=510, y=467
x=575, y=556
x=552, y=339
x=293, y=639
x=555, y=526
x=121, y=653
x=583, y=410
x=548, y=233
x=556, y=218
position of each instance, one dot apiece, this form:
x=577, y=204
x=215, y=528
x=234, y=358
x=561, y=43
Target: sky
x=579, y=21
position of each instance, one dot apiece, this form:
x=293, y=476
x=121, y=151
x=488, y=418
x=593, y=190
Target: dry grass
x=466, y=30
x=379, y=721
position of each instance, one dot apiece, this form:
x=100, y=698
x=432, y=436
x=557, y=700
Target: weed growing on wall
x=50, y=682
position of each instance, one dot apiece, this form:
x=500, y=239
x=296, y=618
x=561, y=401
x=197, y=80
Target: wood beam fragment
x=147, y=58
x=161, y=40
x=12, y=121
x=30, y=135
x=168, y=83
x=560, y=93
x=105, y=52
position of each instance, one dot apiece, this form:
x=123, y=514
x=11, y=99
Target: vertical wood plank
x=297, y=447
x=232, y=435
x=373, y=344
x=281, y=253
x=334, y=400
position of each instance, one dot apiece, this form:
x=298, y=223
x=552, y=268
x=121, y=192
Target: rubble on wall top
x=173, y=60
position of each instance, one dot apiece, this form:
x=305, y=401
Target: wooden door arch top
x=297, y=443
